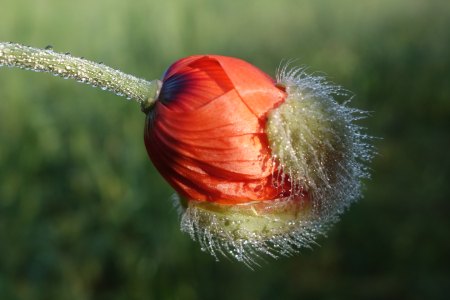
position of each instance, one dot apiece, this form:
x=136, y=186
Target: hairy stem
x=96, y=74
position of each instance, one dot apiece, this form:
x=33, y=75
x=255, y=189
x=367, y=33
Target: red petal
x=194, y=85
x=178, y=65
x=206, y=132
x=255, y=87
x=234, y=143
x=223, y=158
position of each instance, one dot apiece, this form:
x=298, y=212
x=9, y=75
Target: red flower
x=265, y=166
x=205, y=134
x=258, y=164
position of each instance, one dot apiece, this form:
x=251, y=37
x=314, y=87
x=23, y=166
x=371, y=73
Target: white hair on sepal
x=315, y=141
x=235, y=232
x=318, y=149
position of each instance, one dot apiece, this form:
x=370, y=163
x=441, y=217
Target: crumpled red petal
x=206, y=133
x=256, y=88
x=194, y=85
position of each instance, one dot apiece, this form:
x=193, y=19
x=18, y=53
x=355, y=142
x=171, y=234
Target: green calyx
x=305, y=138
x=243, y=231
x=259, y=220
x=316, y=143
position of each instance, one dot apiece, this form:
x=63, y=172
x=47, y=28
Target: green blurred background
x=84, y=214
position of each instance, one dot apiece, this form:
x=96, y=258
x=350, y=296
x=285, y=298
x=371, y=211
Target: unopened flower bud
x=260, y=166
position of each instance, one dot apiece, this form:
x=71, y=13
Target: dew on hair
x=67, y=67
x=316, y=143
x=284, y=237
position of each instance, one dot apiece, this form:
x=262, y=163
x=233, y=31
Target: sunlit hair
x=316, y=146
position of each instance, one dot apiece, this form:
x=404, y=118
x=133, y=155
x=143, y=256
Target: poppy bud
x=259, y=165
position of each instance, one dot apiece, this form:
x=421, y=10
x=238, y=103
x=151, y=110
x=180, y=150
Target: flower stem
x=84, y=71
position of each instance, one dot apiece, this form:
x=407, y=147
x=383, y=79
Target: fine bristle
x=236, y=232
x=317, y=147
x=316, y=144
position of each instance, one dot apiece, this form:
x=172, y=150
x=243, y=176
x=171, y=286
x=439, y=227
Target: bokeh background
x=84, y=214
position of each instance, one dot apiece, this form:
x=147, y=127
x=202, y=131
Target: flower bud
x=259, y=165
